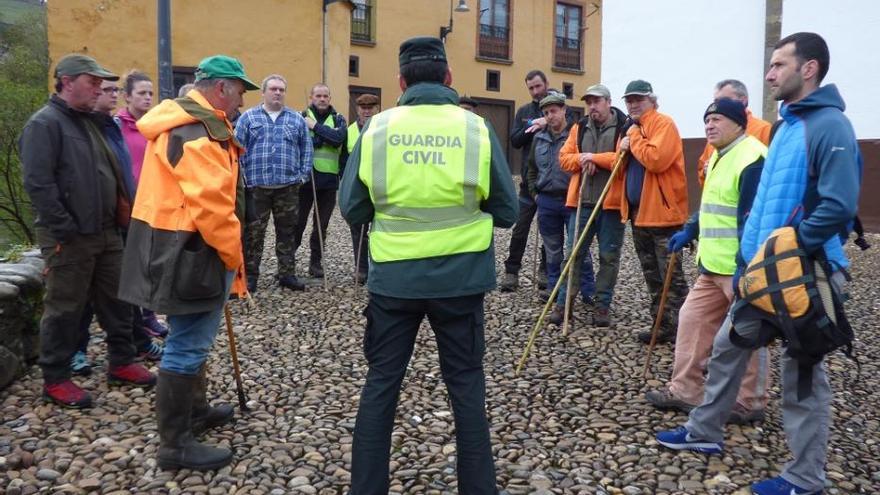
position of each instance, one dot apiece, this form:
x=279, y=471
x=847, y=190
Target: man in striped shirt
x=276, y=162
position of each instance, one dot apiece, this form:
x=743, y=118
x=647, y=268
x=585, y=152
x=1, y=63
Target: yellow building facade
x=355, y=43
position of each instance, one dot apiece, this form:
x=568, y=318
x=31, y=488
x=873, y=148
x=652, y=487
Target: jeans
x=392, y=325
x=608, y=228
x=520, y=237
x=190, y=338
x=554, y=218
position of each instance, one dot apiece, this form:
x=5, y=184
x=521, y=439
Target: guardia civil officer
x=433, y=180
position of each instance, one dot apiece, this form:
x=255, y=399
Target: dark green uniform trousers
x=392, y=325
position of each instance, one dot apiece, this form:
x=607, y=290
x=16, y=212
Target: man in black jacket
x=329, y=131
x=526, y=123
x=81, y=201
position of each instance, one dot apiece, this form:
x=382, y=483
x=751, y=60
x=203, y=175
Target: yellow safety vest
x=427, y=170
x=325, y=158
x=719, y=241
x=353, y=133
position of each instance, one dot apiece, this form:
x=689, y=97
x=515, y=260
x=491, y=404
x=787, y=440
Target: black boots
x=178, y=448
x=205, y=416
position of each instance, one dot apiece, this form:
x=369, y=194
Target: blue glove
x=681, y=239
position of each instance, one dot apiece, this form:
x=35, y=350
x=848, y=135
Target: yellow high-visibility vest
x=427, y=169
x=719, y=241
x=353, y=133
x=326, y=157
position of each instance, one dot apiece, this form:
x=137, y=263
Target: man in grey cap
x=589, y=155
x=81, y=201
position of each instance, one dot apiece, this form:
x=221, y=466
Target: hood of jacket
x=825, y=96
x=182, y=111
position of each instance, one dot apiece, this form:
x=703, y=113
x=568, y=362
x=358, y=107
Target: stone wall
x=21, y=299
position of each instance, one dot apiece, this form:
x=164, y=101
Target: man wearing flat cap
x=654, y=198
x=367, y=105
x=80, y=197
x=433, y=180
x=184, y=249
x=732, y=175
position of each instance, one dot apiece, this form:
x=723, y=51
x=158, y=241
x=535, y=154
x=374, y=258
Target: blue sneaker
x=80, y=365
x=680, y=439
x=152, y=353
x=779, y=486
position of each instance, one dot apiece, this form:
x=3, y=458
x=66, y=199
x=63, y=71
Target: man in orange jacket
x=759, y=128
x=654, y=198
x=184, y=249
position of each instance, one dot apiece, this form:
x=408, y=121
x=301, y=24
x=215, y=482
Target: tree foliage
x=24, y=68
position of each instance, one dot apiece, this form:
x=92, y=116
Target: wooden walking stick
x=573, y=254
x=577, y=246
x=670, y=268
x=318, y=223
x=535, y=255
x=357, y=258
x=242, y=400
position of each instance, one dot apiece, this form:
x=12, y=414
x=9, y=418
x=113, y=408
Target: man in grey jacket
x=548, y=184
x=76, y=186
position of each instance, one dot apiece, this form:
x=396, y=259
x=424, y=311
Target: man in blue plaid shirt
x=277, y=161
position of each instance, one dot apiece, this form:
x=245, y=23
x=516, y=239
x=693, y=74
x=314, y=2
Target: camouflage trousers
x=282, y=203
x=651, y=248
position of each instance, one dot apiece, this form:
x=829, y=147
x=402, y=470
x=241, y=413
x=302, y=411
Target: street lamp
x=462, y=7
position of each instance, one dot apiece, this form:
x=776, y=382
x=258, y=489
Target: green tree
x=24, y=68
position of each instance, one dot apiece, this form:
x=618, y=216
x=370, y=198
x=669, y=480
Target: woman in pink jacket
x=138, y=99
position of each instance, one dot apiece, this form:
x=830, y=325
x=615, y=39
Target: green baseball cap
x=76, y=64
x=552, y=98
x=222, y=66
x=421, y=48
x=638, y=87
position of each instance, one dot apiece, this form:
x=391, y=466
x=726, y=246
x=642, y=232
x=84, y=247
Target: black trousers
x=392, y=325
x=86, y=268
x=326, y=201
x=520, y=237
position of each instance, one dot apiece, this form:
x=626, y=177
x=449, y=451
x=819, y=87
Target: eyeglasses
x=109, y=90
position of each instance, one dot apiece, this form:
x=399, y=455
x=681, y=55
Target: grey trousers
x=807, y=422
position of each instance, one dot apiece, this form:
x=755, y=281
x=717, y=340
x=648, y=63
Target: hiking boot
x=680, y=439
x=542, y=279
x=178, y=447
x=557, y=315
x=663, y=336
x=153, y=352
x=291, y=282
x=131, y=374
x=663, y=399
x=316, y=270
x=205, y=416
x=780, y=486
x=601, y=317
x=153, y=327
x=742, y=416
x=68, y=394
x=80, y=365
x=510, y=282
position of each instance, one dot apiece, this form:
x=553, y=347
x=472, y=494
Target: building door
x=499, y=113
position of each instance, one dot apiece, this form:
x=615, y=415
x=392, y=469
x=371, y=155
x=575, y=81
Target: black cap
x=732, y=109
x=422, y=48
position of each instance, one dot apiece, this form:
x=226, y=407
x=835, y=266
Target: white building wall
x=683, y=47
x=852, y=30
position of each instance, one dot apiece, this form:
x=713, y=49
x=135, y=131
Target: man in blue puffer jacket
x=813, y=163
